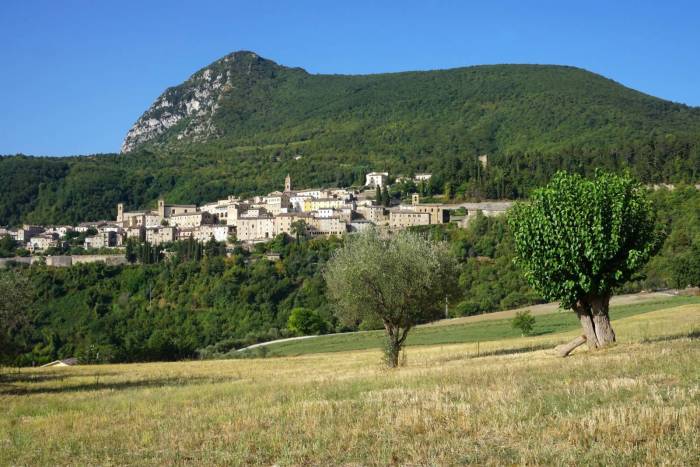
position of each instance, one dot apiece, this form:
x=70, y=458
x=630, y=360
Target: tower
x=161, y=208
x=287, y=183
x=120, y=212
x=415, y=199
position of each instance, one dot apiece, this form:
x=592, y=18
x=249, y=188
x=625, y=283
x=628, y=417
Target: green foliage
x=15, y=303
x=580, y=237
x=8, y=246
x=686, y=268
x=176, y=308
x=523, y=321
x=303, y=321
x=403, y=280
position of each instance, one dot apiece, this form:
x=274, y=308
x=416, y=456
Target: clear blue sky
x=74, y=75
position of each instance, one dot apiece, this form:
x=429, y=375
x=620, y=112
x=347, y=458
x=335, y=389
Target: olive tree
x=402, y=280
x=577, y=239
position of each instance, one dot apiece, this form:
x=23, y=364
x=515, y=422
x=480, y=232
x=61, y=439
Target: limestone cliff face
x=188, y=110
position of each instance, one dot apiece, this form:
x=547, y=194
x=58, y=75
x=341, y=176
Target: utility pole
x=447, y=313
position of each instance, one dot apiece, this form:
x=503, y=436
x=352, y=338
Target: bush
x=524, y=321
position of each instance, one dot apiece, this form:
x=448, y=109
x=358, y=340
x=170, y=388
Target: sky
x=75, y=75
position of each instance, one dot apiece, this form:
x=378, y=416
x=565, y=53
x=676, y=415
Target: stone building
x=404, y=218
x=376, y=179
x=255, y=228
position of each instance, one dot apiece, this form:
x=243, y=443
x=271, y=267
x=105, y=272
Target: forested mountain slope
x=241, y=124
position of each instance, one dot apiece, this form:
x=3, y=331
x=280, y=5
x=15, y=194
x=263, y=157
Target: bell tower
x=287, y=183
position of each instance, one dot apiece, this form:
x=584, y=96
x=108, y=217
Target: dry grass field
x=637, y=402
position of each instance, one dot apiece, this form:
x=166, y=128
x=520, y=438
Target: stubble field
x=637, y=402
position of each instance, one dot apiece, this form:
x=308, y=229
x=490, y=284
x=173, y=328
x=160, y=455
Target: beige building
x=327, y=226
x=27, y=231
x=376, y=179
x=276, y=203
x=255, y=228
x=438, y=214
x=401, y=219
x=160, y=235
x=190, y=220
x=42, y=242
x=314, y=204
x=376, y=214
x=283, y=222
x=218, y=232
x=103, y=239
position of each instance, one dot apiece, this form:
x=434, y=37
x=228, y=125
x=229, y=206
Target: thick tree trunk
x=566, y=349
x=593, y=314
x=583, y=312
x=601, y=320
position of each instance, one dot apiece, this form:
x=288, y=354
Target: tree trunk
x=392, y=347
x=566, y=349
x=601, y=320
x=592, y=311
x=583, y=312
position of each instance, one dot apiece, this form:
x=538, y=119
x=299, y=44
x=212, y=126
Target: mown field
x=474, y=329
x=637, y=402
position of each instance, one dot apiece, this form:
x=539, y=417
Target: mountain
x=239, y=125
x=244, y=100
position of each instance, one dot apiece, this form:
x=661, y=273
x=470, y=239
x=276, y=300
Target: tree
x=685, y=268
x=14, y=308
x=402, y=280
x=578, y=239
x=299, y=229
x=386, y=197
x=131, y=250
x=7, y=246
x=524, y=321
x=303, y=321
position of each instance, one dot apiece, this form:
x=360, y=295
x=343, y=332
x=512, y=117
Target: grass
x=481, y=331
x=637, y=402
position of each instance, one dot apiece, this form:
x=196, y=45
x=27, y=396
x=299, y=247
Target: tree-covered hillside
x=243, y=123
x=187, y=306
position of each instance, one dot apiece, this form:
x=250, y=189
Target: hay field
x=637, y=402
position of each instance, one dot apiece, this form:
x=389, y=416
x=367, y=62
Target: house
x=27, y=231
x=103, y=239
x=404, y=218
x=42, y=242
x=190, y=220
x=255, y=227
x=160, y=235
x=376, y=179
x=422, y=177
x=284, y=222
x=271, y=256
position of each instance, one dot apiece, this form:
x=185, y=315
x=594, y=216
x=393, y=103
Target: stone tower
x=161, y=208
x=415, y=199
x=120, y=212
x=287, y=183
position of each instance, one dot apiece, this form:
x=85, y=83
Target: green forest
x=199, y=303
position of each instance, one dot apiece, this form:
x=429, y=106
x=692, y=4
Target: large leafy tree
x=577, y=239
x=402, y=280
x=14, y=308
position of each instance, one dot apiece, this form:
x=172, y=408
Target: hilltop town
x=310, y=212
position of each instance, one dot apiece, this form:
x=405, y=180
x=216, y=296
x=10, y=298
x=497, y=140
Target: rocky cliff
x=188, y=110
